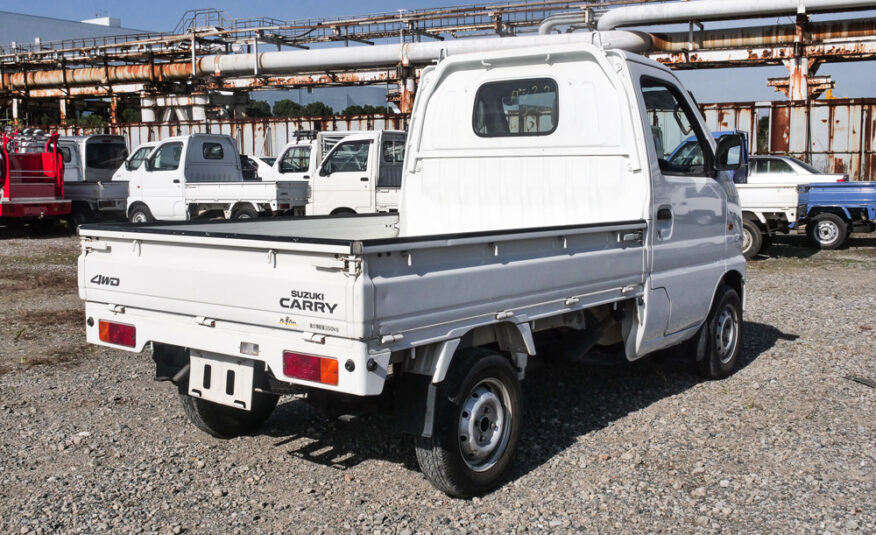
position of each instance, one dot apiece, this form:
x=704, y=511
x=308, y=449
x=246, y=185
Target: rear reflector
x=118, y=333
x=310, y=368
x=284, y=206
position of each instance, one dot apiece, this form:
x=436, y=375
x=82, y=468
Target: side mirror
x=128, y=165
x=728, y=154
x=149, y=164
x=324, y=172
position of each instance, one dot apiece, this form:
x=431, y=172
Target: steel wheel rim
x=244, y=216
x=139, y=217
x=726, y=334
x=746, y=239
x=826, y=231
x=485, y=424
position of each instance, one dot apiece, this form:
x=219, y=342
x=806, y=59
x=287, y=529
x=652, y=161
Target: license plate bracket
x=222, y=379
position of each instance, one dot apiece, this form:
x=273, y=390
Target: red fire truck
x=31, y=177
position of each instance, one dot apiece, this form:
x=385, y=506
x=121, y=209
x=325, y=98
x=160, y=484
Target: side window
x=681, y=149
x=527, y=107
x=166, y=157
x=213, y=151
x=296, y=160
x=761, y=166
x=138, y=158
x=351, y=156
x=780, y=166
x=393, y=151
x=66, y=154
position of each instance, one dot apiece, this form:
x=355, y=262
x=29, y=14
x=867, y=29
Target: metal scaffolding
x=181, y=69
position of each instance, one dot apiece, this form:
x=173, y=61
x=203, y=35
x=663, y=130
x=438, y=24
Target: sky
x=855, y=79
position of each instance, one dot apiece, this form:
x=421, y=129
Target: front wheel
x=477, y=425
x=827, y=231
x=752, y=239
x=719, y=341
x=228, y=422
x=140, y=214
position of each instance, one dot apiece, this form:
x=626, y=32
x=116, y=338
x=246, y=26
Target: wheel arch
x=839, y=211
x=137, y=204
x=243, y=204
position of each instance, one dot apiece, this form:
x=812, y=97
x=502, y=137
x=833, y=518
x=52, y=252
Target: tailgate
x=292, y=286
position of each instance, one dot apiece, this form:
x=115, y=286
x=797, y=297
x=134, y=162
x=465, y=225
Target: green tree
x=92, y=121
x=131, y=115
x=287, y=108
x=258, y=108
x=318, y=109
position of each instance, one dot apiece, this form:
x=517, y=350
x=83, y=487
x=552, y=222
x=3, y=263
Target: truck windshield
x=105, y=155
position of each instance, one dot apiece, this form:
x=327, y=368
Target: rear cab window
x=105, y=154
x=526, y=107
x=393, y=151
x=213, y=151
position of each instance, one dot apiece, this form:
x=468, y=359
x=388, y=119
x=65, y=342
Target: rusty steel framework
x=168, y=71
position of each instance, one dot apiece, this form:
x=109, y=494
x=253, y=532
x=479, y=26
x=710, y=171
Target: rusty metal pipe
x=703, y=10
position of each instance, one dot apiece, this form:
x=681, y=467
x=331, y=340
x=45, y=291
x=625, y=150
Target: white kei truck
x=533, y=202
x=199, y=176
x=89, y=165
x=349, y=172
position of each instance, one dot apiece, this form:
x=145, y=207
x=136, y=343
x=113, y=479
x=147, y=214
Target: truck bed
x=95, y=191
x=253, y=191
x=354, y=277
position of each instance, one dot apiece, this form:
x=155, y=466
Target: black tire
x=481, y=393
x=140, y=214
x=716, y=357
x=343, y=211
x=244, y=212
x=79, y=216
x=752, y=239
x=228, y=422
x=827, y=231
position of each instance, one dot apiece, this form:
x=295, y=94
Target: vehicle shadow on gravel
x=35, y=231
x=799, y=246
x=563, y=400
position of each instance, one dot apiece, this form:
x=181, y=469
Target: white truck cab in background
x=348, y=172
x=134, y=162
x=199, y=175
x=89, y=164
x=535, y=207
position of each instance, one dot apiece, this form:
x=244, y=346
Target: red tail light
x=310, y=368
x=118, y=333
x=841, y=180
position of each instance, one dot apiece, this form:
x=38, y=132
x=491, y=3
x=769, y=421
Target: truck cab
x=361, y=174
x=134, y=162
x=89, y=165
x=200, y=175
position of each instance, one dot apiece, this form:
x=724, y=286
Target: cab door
x=688, y=213
x=162, y=183
x=294, y=163
x=344, y=183
x=72, y=161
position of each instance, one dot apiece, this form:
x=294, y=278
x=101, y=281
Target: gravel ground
x=90, y=444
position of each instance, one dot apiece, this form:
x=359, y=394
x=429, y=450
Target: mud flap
x=415, y=404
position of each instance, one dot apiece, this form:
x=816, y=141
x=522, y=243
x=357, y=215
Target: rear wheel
x=827, y=231
x=140, y=214
x=244, y=212
x=752, y=239
x=228, y=422
x=477, y=425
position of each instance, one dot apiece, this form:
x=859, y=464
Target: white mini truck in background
x=533, y=204
x=348, y=172
x=199, y=175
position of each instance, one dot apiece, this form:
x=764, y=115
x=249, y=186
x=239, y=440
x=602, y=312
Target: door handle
x=306, y=177
x=664, y=214
x=364, y=179
x=176, y=181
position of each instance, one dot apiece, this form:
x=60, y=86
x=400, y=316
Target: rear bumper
x=32, y=208
x=226, y=338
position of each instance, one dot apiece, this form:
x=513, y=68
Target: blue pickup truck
x=833, y=210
